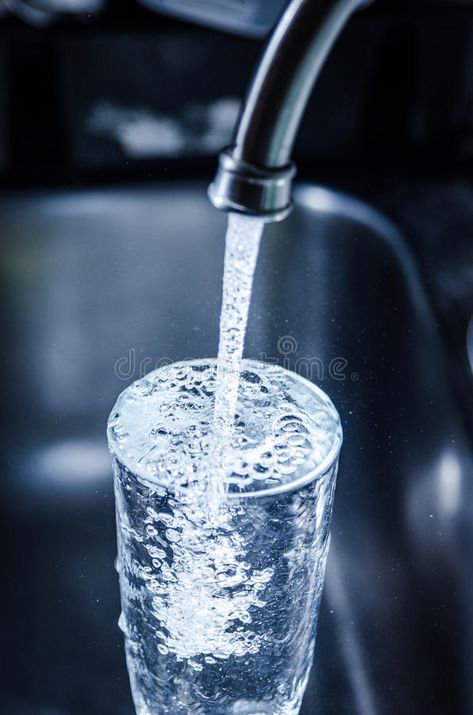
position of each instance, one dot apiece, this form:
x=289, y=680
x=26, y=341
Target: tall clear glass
x=219, y=610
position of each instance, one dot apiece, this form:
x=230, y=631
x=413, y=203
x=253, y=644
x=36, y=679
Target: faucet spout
x=255, y=173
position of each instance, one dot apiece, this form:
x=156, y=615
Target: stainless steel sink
x=99, y=287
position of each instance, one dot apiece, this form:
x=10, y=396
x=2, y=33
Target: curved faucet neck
x=286, y=74
x=255, y=173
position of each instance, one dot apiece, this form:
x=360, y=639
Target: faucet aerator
x=244, y=188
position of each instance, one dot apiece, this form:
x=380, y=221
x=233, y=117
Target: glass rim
x=293, y=485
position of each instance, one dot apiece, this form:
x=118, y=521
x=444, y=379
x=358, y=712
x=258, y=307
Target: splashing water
x=220, y=589
x=219, y=613
x=241, y=253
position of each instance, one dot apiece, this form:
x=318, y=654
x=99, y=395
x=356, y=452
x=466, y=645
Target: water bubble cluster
x=208, y=575
x=219, y=606
x=281, y=431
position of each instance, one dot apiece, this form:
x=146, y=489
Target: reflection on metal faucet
x=255, y=174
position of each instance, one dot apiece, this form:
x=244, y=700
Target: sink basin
x=101, y=286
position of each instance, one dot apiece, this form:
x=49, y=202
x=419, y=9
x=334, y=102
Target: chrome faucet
x=255, y=173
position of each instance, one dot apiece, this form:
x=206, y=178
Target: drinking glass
x=219, y=609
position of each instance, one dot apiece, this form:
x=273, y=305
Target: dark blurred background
x=127, y=93
x=111, y=118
